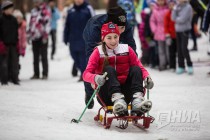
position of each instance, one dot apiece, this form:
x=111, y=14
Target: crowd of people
x=105, y=43
x=14, y=36
x=164, y=31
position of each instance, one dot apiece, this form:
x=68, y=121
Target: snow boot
x=190, y=70
x=34, y=77
x=180, y=70
x=120, y=106
x=74, y=71
x=140, y=105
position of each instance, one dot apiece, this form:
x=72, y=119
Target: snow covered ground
x=42, y=110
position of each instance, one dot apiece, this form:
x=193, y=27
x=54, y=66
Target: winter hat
x=17, y=13
x=109, y=28
x=117, y=15
x=6, y=4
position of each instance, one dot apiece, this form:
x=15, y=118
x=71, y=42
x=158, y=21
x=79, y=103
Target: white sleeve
x=92, y=12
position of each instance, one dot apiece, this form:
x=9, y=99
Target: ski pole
x=94, y=93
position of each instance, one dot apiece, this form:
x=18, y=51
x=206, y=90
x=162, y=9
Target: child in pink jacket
x=125, y=74
x=21, y=32
x=157, y=27
x=21, y=45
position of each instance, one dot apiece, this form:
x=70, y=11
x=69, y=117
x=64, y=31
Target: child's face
x=112, y=40
x=121, y=29
x=171, y=5
x=161, y=2
x=9, y=11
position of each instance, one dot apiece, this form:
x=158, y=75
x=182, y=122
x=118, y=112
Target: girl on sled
x=124, y=71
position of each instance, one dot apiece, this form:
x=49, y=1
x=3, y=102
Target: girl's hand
x=100, y=80
x=149, y=84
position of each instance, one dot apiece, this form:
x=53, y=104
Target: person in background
x=153, y=47
x=76, y=20
x=38, y=32
x=143, y=39
x=128, y=6
x=205, y=25
x=199, y=7
x=54, y=18
x=8, y=41
x=194, y=31
x=170, y=33
x=21, y=45
x=74, y=70
x=157, y=27
x=182, y=16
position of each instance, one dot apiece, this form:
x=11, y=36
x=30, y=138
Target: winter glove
x=168, y=41
x=100, y=80
x=148, y=82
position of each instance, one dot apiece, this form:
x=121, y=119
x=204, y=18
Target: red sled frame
x=106, y=120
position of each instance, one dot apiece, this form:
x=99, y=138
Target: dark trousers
x=145, y=56
x=9, y=65
x=183, y=52
x=88, y=89
x=172, y=54
x=153, y=58
x=133, y=84
x=40, y=49
x=193, y=34
x=79, y=59
x=53, y=37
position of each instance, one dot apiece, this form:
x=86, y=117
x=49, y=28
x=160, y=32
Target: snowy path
x=42, y=110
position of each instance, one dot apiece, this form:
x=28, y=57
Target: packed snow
x=42, y=110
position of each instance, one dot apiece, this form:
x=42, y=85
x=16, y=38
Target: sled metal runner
x=106, y=120
x=105, y=117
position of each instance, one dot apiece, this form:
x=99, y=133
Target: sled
x=106, y=115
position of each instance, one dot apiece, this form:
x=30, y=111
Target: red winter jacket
x=169, y=25
x=121, y=58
